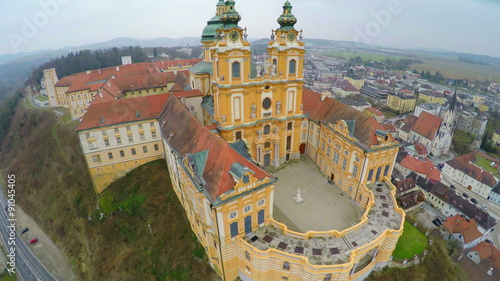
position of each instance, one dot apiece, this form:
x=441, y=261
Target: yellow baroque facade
x=263, y=107
x=257, y=115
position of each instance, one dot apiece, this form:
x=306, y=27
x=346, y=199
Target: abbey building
x=256, y=115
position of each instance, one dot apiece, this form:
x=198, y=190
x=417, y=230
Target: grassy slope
x=436, y=266
x=53, y=186
x=412, y=242
x=455, y=69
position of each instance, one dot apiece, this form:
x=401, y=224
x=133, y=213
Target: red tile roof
x=427, y=125
x=331, y=111
x=463, y=164
x=122, y=111
x=487, y=250
x=408, y=123
x=375, y=111
x=389, y=128
x=190, y=136
x=420, y=149
x=422, y=165
x=459, y=224
x=188, y=94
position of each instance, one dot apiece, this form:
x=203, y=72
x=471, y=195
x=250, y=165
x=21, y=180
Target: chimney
x=99, y=71
x=323, y=96
x=88, y=71
x=175, y=72
x=117, y=68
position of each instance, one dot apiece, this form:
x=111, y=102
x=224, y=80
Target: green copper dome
x=287, y=20
x=210, y=30
x=230, y=18
x=221, y=3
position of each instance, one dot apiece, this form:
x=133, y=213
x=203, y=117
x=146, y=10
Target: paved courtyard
x=325, y=206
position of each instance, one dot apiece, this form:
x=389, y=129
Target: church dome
x=230, y=18
x=210, y=30
x=287, y=20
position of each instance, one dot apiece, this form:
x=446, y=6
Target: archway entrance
x=302, y=149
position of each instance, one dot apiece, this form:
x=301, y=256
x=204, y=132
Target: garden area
x=412, y=242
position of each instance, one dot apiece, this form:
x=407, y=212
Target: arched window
x=236, y=69
x=293, y=66
x=267, y=130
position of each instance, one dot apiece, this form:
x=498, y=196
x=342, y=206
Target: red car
x=33, y=241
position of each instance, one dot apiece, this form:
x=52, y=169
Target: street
x=27, y=265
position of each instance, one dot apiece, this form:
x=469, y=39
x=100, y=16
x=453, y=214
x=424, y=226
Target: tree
x=155, y=53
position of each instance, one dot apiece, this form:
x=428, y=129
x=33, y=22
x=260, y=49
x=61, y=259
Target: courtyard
x=325, y=206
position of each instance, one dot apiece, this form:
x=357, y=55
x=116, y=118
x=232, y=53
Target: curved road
x=28, y=267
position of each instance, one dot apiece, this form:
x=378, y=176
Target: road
x=28, y=267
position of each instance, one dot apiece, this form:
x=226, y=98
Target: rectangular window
x=386, y=170
x=156, y=147
x=130, y=138
x=128, y=128
x=354, y=171
x=153, y=134
x=119, y=140
x=110, y=155
x=288, y=142
x=104, y=133
x=145, y=149
x=133, y=151
x=116, y=130
x=336, y=157
x=323, y=146
x=234, y=229
x=152, y=124
x=142, y=136
x=238, y=136
x=328, y=151
x=289, y=126
x=106, y=142
x=122, y=153
x=140, y=126
x=344, y=164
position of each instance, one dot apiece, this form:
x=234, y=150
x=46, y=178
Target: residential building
x=375, y=93
x=430, y=96
x=357, y=103
x=495, y=194
x=462, y=230
x=463, y=171
x=431, y=108
x=401, y=103
x=496, y=137
x=375, y=113
x=356, y=81
x=487, y=257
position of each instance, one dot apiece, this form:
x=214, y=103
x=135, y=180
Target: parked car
x=437, y=222
x=452, y=187
x=33, y=241
x=473, y=200
x=465, y=195
x=483, y=207
x=25, y=230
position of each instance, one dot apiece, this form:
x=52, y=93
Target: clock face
x=291, y=36
x=234, y=35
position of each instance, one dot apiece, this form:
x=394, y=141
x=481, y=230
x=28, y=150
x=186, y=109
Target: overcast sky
x=459, y=25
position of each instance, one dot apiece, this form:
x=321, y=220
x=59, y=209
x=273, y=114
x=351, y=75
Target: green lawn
x=412, y=242
x=41, y=98
x=485, y=164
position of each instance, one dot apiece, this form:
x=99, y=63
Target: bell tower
x=231, y=63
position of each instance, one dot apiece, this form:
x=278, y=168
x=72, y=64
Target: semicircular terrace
x=373, y=235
